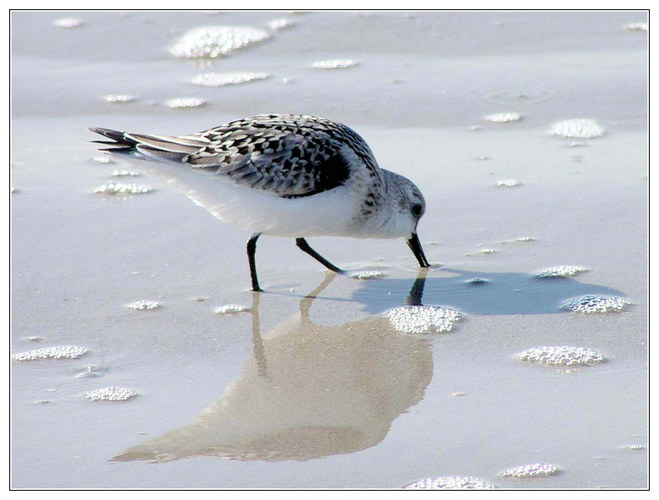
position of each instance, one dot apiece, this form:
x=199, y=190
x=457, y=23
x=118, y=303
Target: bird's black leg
x=304, y=246
x=251, y=252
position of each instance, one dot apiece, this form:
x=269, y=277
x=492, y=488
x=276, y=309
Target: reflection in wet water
x=482, y=293
x=309, y=391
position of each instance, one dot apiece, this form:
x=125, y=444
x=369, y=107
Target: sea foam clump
x=578, y=128
x=368, y=275
x=112, y=393
x=144, y=305
x=280, y=24
x=334, y=64
x=530, y=471
x=590, y=304
x=231, y=309
x=423, y=319
x=508, y=183
x=560, y=271
x=503, y=117
x=637, y=27
x=118, y=98
x=67, y=22
x=124, y=173
x=450, y=483
x=222, y=79
x=216, y=41
x=185, y=102
x=54, y=352
x=120, y=188
x=561, y=355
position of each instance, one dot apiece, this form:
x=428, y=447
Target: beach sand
x=326, y=392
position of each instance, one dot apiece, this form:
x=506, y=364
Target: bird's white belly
x=329, y=213
x=324, y=214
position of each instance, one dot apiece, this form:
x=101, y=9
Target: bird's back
x=283, y=155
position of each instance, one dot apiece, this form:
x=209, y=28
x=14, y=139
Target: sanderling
x=284, y=175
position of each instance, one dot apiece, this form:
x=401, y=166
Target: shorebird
x=284, y=175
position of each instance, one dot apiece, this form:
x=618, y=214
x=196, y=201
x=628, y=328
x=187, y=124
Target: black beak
x=415, y=246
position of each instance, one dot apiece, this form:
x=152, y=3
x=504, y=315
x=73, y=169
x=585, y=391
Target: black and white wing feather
x=285, y=155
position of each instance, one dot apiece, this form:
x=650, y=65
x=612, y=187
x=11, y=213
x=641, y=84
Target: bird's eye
x=416, y=210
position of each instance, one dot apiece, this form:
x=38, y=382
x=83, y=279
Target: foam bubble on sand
x=185, y=102
x=334, y=64
x=423, y=319
x=222, y=79
x=53, y=352
x=525, y=239
x=118, y=98
x=280, y=24
x=487, y=251
x=560, y=271
x=231, y=309
x=104, y=160
x=368, y=275
x=112, y=393
x=503, y=117
x=637, y=27
x=561, y=355
x=508, y=183
x=450, y=483
x=120, y=188
x=530, y=471
x=67, y=22
x=124, y=173
x=589, y=304
x=144, y=305
x=34, y=338
x=578, y=128
x=216, y=41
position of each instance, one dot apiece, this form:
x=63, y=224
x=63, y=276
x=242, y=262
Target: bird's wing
x=283, y=158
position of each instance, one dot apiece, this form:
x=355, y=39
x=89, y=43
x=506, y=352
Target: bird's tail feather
x=150, y=147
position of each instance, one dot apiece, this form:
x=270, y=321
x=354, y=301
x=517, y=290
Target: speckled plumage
x=287, y=155
x=324, y=173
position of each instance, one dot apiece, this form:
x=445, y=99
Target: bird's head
x=408, y=208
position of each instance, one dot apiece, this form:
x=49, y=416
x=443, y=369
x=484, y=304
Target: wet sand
x=323, y=392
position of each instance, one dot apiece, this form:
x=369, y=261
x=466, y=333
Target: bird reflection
x=309, y=391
